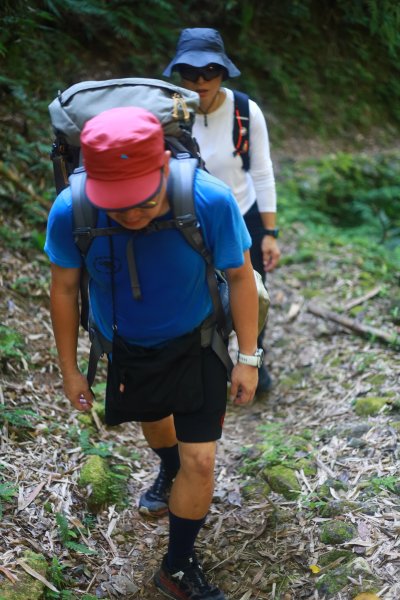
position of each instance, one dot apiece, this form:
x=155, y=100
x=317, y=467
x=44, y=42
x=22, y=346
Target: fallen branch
x=362, y=299
x=23, y=187
x=360, y=328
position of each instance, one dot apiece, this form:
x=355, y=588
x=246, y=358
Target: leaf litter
x=254, y=546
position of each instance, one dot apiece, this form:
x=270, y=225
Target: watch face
x=260, y=355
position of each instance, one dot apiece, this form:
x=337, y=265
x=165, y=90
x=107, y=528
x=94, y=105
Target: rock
x=334, y=581
x=337, y=532
x=256, y=490
x=333, y=555
x=96, y=476
x=283, y=481
x=370, y=405
x=334, y=508
x=27, y=587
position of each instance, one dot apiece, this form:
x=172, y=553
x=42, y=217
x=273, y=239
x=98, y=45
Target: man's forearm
x=65, y=320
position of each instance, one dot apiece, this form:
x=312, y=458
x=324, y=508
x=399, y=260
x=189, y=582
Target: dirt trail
x=319, y=371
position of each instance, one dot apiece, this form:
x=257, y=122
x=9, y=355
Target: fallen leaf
x=315, y=569
x=366, y=596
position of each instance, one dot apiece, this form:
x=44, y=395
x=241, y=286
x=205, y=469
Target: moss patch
x=337, y=532
x=27, y=587
x=283, y=481
x=369, y=406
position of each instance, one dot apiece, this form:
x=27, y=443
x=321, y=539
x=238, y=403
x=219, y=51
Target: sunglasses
x=194, y=73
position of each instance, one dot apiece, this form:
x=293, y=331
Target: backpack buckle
x=83, y=232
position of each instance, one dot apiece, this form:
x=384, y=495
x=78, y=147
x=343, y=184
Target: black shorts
x=180, y=379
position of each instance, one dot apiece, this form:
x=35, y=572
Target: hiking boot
x=154, y=502
x=264, y=380
x=188, y=583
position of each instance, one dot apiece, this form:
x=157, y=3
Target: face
x=139, y=217
x=206, y=88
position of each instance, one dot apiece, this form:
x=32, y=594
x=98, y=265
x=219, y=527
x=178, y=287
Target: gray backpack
x=175, y=107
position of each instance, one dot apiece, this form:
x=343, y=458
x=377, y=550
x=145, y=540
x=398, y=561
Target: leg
x=161, y=438
x=193, y=487
x=181, y=576
x=160, y=434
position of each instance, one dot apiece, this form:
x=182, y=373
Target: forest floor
x=254, y=546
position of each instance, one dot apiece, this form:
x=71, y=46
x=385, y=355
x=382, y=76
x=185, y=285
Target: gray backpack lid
x=174, y=106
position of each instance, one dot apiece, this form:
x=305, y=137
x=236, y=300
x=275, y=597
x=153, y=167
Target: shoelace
x=161, y=483
x=195, y=575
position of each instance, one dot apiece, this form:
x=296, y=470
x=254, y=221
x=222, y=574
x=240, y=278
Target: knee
x=199, y=465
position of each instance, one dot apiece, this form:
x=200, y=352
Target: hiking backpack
x=241, y=127
x=175, y=108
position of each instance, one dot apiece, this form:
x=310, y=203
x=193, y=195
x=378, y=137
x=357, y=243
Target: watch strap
x=272, y=232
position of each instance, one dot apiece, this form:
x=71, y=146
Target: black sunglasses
x=194, y=73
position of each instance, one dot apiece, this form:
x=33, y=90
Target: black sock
x=170, y=459
x=182, y=536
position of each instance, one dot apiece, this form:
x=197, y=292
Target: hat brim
x=199, y=59
x=123, y=194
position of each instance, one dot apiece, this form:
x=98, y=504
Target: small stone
x=337, y=532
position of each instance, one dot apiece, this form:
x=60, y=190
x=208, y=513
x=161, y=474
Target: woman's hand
x=271, y=252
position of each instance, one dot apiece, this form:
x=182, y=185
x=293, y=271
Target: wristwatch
x=253, y=360
x=272, y=232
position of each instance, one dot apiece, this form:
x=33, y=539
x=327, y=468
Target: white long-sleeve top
x=217, y=150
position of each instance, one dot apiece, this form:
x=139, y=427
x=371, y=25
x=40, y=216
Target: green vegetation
x=11, y=344
x=18, y=417
x=68, y=536
x=8, y=491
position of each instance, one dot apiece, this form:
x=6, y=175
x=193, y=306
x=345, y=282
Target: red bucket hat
x=123, y=153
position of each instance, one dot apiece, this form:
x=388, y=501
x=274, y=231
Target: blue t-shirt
x=172, y=276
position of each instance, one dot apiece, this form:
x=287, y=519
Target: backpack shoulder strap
x=241, y=127
x=84, y=214
x=181, y=196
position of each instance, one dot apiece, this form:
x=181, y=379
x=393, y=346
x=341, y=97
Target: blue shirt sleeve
x=60, y=246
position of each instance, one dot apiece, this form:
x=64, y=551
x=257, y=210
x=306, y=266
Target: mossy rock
x=96, y=474
x=332, y=582
x=324, y=490
x=335, y=508
x=306, y=465
x=27, y=587
x=369, y=406
x=355, y=430
x=333, y=555
x=279, y=517
x=283, y=481
x=256, y=490
x=337, y=532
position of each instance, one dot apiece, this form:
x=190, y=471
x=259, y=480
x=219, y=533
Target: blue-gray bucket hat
x=199, y=47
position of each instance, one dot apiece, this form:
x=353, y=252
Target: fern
x=66, y=535
x=18, y=417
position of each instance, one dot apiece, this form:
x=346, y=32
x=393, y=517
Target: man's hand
x=271, y=253
x=244, y=381
x=77, y=390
